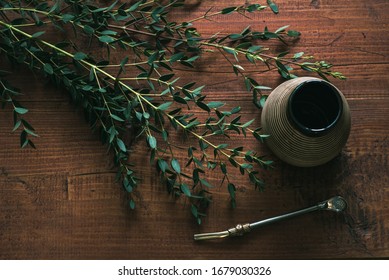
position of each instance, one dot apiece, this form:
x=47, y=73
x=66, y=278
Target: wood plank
x=61, y=201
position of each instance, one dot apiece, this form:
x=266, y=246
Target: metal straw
x=337, y=204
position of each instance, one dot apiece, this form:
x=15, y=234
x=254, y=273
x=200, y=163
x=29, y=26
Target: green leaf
x=48, y=68
x=237, y=68
x=222, y=146
x=194, y=210
x=203, y=106
x=203, y=145
x=189, y=85
x=281, y=67
x=165, y=65
x=165, y=135
x=235, y=37
x=223, y=168
x=262, y=100
x=293, y=33
x=30, y=132
x=121, y=145
x=255, y=7
x=260, y=137
x=27, y=125
x=23, y=139
x=177, y=56
x=283, y=28
x=117, y=118
x=270, y=35
x=206, y=183
x=37, y=34
x=283, y=54
x=236, y=110
x=134, y=6
x=153, y=57
x=20, y=110
x=79, y=56
x=273, y=6
x=298, y=55
x=106, y=39
x=124, y=62
x=263, y=88
x=88, y=30
x=92, y=75
x=164, y=106
x=248, y=123
x=192, y=59
x=176, y=165
x=152, y=141
x=127, y=185
x=228, y=10
x=108, y=32
x=67, y=17
x=179, y=99
x=16, y=126
x=229, y=50
x=233, y=161
x=163, y=165
x=185, y=190
x=197, y=91
x=215, y=104
x=112, y=133
x=254, y=49
x=231, y=189
x=166, y=77
x=132, y=204
x=192, y=124
x=98, y=10
x=247, y=166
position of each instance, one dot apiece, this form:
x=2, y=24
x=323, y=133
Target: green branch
x=145, y=95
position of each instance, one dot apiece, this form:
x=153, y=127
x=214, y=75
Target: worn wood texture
x=60, y=201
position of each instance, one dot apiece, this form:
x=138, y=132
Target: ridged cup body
x=289, y=141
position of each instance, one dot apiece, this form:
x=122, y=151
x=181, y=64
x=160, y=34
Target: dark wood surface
x=60, y=201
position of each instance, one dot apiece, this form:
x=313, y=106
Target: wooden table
x=60, y=201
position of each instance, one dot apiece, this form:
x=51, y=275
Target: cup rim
x=308, y=130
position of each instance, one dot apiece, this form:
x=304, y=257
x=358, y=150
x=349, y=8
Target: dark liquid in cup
x=314, y=107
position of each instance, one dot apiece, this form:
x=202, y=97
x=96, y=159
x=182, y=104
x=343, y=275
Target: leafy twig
x=145, y=94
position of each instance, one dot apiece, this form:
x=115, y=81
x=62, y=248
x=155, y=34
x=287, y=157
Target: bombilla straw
x=336, y=204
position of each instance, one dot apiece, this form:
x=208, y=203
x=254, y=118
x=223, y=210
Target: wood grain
x=61, y=201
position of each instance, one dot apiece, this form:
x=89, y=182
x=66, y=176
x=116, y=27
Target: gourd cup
x=308, y=120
